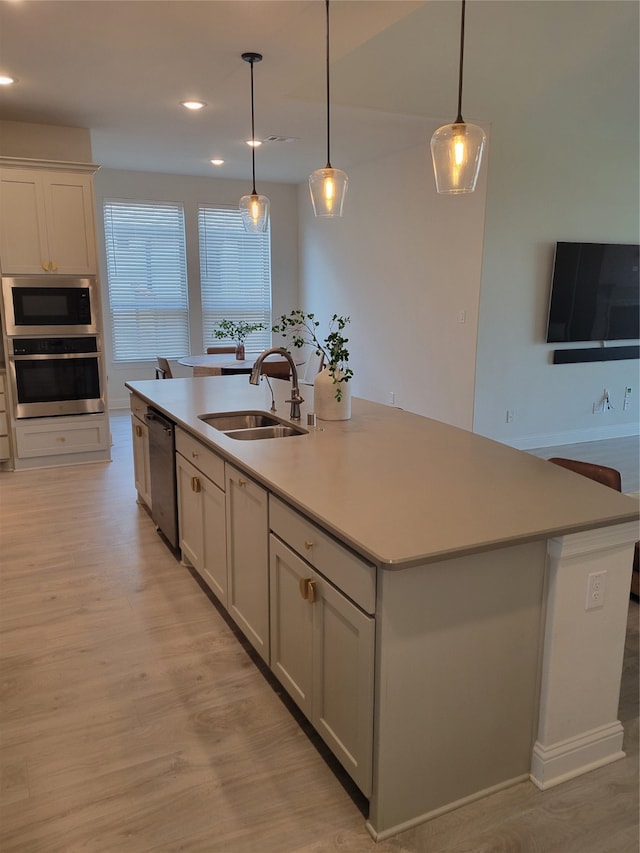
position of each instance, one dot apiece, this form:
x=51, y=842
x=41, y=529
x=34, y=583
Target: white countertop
x=399, y=488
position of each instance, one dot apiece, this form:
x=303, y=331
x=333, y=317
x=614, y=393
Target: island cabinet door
x=248, y=558
x=201, y=521
x=291, y=624
x=141, y=472
x=322, y=652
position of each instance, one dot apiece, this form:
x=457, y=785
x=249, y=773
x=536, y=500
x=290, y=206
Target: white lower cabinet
x=202, y=512
x=322, y=652
x=141, y=469
x=248, y=558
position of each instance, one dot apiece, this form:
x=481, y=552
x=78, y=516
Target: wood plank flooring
x=133, y=720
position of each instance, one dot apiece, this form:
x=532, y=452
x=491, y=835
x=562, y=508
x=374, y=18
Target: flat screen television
x=595, y=293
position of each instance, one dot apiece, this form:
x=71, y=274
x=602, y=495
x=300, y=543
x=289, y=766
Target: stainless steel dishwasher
x=162, y=464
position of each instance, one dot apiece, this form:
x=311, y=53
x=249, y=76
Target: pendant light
x=254, y=208
x=328, y=186
x=456, y=149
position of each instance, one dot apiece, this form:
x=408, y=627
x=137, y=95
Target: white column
x=578, y=727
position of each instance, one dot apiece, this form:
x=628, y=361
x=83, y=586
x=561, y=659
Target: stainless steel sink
x=240, y=420
x=250, y=426
x=278, y=431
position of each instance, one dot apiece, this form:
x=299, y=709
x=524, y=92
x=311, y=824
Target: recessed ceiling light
x=216, y=162
x=193, y=105
x=254, y=143
x=5, y=80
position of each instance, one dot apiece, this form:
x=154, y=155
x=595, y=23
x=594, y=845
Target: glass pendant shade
x=328, y=187
x=456, y=151
x=254, y=210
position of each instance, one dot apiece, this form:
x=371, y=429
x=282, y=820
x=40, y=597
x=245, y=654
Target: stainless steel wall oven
x=55, y=375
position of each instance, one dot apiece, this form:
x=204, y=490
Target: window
x=147, y=279
x=235, y=275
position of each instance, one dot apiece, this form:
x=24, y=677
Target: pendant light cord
x=459, y=119
x=328, y=95
x=253, y=135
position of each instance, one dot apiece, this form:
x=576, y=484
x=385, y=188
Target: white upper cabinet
x=47, y=222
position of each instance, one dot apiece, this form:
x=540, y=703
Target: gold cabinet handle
x=45, y=266
x=242, y=482
x=53, y=266
x=195, y=484
x=138, y=431
x=308, y=589
x=308, y=544
x=194, y=454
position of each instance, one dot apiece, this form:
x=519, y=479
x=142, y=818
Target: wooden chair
x=276, y=369
x=214, y=350
x=608, y=477
x=163, y=370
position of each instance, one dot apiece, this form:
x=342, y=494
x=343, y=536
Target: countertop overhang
x=398, y=488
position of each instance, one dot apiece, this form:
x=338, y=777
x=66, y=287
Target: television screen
x=595, y=293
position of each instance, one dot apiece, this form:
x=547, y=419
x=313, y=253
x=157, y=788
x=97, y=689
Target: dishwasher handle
x=153, y=417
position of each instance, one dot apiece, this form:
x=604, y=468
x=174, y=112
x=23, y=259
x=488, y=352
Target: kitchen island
x=450, y=573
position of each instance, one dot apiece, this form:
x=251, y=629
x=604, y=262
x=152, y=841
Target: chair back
x=163, y=370
x=277, y=369
x=214, y=350
x=600, y=473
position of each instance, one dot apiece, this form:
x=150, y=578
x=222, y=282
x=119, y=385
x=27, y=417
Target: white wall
x=192, y=191
x=570, y=177
x=404, y=263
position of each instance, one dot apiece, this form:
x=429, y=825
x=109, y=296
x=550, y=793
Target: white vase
x=325, y=405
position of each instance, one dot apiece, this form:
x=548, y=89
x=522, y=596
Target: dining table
x=218, y=364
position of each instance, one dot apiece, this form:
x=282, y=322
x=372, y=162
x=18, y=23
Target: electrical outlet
x=392, y=398
x=595, y=590
x=510, y=416
x=626, y=403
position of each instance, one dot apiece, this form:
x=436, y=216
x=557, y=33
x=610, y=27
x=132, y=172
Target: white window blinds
x=235, y=275
x=147, y=279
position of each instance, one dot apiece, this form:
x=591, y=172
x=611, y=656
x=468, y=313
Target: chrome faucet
x=295, y=399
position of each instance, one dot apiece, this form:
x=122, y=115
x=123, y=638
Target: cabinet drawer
x=3, y=401
x=45, y=439
x=5, y=453
x=201, y=456
x=1, y=383
x=3, y=423
x=350, y=573
x=138, y=407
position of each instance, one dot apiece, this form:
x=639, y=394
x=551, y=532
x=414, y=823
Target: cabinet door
x=201, y=524
x=343, y=667
x=291, y=624
x=70, y=223
x=248, y=558
x=47, y=223
x=142, y=477
x=23, y=230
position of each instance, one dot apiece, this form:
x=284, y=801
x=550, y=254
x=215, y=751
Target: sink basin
x=250, y=426
x=278, y=431
x=240, y=420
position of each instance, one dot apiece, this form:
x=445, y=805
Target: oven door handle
x=51, y=356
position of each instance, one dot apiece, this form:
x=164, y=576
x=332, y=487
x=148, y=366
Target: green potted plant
x=237, y=331
x=303, y=329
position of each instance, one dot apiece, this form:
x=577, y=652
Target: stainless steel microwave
x=46, y=307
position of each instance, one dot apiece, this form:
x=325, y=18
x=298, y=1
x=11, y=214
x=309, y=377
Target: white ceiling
x=120, y=68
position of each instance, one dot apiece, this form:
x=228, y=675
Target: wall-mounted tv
x=595, y=293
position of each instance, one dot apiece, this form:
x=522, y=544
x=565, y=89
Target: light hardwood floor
x=133, y=719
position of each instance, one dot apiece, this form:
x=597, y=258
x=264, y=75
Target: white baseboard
x=577, y=755
x=553, y=439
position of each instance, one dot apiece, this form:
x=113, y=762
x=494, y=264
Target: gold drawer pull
x=138, y=431
x=303, y=587
x=194, y=454
x=242, y=482
x=308, y=544
x=195, y=484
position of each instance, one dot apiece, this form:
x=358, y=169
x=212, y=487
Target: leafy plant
x=236, y=330
x=302, y=328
